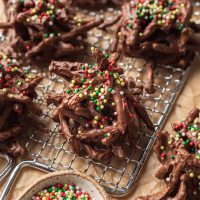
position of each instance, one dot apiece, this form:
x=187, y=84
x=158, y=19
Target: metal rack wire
x=51, y=152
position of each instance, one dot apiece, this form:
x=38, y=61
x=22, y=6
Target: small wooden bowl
x=86, y=183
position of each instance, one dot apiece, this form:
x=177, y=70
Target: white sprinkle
x=14, y=60
x=103, y=97
x=108, y=134
x=85, y=93
x=113, y=92
x=51, y=35
x=167, y=179
x=50, y=23
x=194, y=134
x=87, y=125
x=195, y=192
x=198, y=151
x=115, y=113
x=183, y=134
x=122, y=93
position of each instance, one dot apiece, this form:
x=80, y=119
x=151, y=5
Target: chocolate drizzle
x=99, y=108
x=179, y=155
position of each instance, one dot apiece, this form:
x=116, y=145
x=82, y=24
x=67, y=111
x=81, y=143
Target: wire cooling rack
x=51, y=152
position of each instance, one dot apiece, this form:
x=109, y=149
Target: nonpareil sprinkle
x=59, y=191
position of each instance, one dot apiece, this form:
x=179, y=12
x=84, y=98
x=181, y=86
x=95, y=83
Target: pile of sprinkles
x=17, y=110
x=59, y=191
x=45, y=29
x=159, y=31
x=99, y=108
x=179, y=155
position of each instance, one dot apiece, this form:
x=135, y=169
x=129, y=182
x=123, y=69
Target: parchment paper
x=147, y=183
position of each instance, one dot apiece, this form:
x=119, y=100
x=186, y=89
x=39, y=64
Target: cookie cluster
x=99, y=108
x=18, y=112
x=45, y=29
x=179, y=154
x=160, y=32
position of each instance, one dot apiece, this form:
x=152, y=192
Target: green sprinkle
x=53, y=17
x=192, y=150
x=172, y=157
x=107, y=56
x=89, y=87
x=68, y=91
x=76, y=91
x=95, y=101
x=26, y=71
x=90, y=66
x=98, y=108
x=180, y=27
x=46, y=35
x=97, y=92
x=83, y=80
x=130, y=26
x=1, y=66
x=83, y=67
x=50, y=189
x=109, y=89
x=187, y=141
x=150, y=17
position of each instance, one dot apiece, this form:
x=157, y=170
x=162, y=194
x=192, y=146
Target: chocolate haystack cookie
x=159, y=31
x=17, y=110
x=99, y=108
x=45, y=29
x=179, y=155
